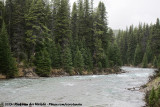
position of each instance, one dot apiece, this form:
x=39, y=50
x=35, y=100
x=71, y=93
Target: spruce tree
x=131, y=46
x=78, y=60
x=88, y=60
x=137, y=55
x=114, y=55
x=67, y=59
x=152, y=98
x=55, y=55
x=155, y=63
x=7, y=62
x=158, y=93
x=149, y=53
x=98, y=52
x=155, y=39
x=18, y=29
x=74, y=29
x=158, y=62
x=43, y=63
x=1, y=13
x=36, y=29
x=145, y=61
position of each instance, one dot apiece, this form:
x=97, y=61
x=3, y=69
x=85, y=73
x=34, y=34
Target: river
x=90, y=91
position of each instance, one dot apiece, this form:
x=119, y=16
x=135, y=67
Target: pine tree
x=98, y=53
x=152, y=98
x=155, y=39
x=114, y=55
x=1, y=13
x=158, y=93
x=74, y=29
x=55, y=55
x=155, y=63
x=7, y=62
x=131, y=46
x=67, y=59
x=158, y=62
x=88, y=60
x=78, y=60
x=145, y=61
x=137, y=55
x=103, y=25
x=149, y=53
x=36, y=29
x=43, y=63
x=80, y=22
x=18, y=29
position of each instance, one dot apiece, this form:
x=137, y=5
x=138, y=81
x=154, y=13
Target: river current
x=90, y=91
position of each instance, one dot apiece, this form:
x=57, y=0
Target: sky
x=123, y=13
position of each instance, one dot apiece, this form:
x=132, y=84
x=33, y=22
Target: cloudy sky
x=122, y=13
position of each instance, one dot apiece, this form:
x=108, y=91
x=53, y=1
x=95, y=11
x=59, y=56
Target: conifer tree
x=158, y=93
x=1, y=13
x=88, y=60
x=80, y=22
x=152, y=98
x=131, y=46
x=137, y=55
x=18, y=29
x=78, y=60
x=55, y=55
x=74, y=29
x=149, y=53
x=98, y=52
x=145, y=61
x=101, y=11
x=43, y=63
x=155, y=63
x=67, y=59
x=114, y=55
x=7, y=62
x=155, y=39
x=158, y=62
x=36, y=29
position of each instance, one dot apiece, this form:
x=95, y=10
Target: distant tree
x=155, y=39
x=137, y=55
x=158, y=62
x=114, y=55
x=145, y=61
x=155, y=63
x=149, y=53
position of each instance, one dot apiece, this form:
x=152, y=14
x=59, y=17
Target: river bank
x=154, y=82
x=30, y=73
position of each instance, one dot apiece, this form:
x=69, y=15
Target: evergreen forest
x=50, y=35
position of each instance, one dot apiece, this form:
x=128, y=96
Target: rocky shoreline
x=30, y=72
x=154, y=81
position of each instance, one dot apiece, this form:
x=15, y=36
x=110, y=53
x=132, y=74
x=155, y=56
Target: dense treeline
x=47, y=35
x=140, y=46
